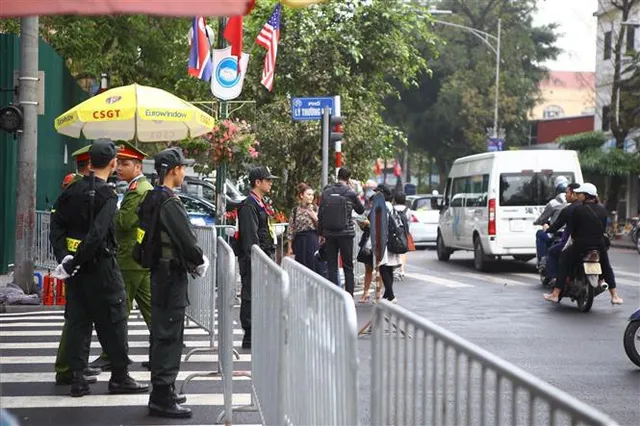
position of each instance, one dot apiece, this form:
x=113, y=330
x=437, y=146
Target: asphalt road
x=503, y=312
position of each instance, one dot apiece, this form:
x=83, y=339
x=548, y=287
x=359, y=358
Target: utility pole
x=221, y=168
x=326, y=134
x=27, y=155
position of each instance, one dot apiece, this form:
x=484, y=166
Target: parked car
x=423, y=216
x=206, y=190
x=201, y=212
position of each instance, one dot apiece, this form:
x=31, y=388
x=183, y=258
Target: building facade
x=565, y=94
x=610, y=28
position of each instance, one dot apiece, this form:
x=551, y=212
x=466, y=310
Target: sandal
x=365, y=299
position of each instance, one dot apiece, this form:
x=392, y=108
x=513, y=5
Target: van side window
x=478, y=191
x=459, y=190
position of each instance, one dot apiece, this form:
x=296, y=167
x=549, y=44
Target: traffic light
x=336, y=129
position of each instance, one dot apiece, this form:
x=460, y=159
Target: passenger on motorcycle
x=586, y=228
x=549, y=215
x=553, y=254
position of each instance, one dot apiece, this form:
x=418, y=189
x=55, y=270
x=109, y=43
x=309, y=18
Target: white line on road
x=60, y=401
x=132, y=344
x=135, y=358
x=104, y=377
x=139, y=332
x=491, y=279
x=635, y=275
x=436, y=280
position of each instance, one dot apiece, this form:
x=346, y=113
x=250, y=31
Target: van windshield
x=534, y=189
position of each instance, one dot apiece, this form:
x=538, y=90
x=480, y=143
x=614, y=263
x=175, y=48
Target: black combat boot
x=163, y=404
x=102, y=362
x=179, y=398
x=67, y=378
x=79, y=385
x=121, y=383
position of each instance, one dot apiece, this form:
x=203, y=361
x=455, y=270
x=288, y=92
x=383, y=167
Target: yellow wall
x=573, y=100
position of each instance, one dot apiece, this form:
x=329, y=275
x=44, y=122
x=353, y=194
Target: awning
x=14, y=8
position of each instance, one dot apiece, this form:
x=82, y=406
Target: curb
x=10, y=309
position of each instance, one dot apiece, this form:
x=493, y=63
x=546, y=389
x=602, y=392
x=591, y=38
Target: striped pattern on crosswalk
x=28, y=346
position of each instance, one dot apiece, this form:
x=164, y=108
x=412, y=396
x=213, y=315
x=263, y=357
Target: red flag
x=250, y=6
x=233, y=34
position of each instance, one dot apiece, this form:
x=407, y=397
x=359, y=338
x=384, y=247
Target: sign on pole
x=310, y=108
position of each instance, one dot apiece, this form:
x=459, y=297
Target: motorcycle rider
x=549, y=215
x=553, y=254
x=586, y=228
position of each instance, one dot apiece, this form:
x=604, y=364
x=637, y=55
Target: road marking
x=635, y=275
x=132, y=344
x=138, y=332
x=104, y=377
x=25, y=359
x=627, y=282
x=437, y=280
x=142, y=399
x=491, y=279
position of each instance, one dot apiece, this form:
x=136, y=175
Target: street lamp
x=486, y=39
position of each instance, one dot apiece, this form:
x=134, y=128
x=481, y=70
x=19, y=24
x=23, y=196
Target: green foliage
x=583, y=141
x=595, y=158
x=449, y=112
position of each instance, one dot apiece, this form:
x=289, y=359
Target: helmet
x=587, y=188
x=561, y=187
x=561, y=180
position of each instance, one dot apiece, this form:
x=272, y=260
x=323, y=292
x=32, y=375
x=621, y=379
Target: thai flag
x=200, y=54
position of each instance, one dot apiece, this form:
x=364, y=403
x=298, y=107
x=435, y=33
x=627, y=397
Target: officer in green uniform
x=170, y=247
x=83, y=237
x=63, y=373
x=137, y=280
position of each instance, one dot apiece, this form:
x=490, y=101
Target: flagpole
x=221, y=168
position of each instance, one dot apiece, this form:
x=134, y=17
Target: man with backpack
x=336, y=227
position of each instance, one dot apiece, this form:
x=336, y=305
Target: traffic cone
x=47, y=290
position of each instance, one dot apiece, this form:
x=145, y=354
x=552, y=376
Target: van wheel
x=442, y=251
x=480, y=261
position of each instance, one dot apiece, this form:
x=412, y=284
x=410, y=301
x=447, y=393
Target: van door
x=476, y=209
x=446, y=218
x=458, y=213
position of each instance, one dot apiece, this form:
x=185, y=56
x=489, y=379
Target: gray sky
x=577, y=29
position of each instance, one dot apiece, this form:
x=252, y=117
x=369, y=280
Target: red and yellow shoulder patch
x=133, y=185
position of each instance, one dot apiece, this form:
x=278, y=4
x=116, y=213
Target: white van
x=492, y=199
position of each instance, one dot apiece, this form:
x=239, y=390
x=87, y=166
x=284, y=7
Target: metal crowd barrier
x=322, y=360
x=424, y=374
x=269, y=318
x=226, y=267
x=44, y=257
x=202, y=296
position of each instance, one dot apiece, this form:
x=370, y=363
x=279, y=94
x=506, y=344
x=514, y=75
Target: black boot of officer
x=163, y=402
x=122, y=383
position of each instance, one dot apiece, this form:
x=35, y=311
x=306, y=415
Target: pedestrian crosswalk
x=28, y=346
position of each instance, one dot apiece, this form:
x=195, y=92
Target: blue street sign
x=309, y=108
x=495, y=144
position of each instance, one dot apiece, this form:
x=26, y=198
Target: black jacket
x=354, y=202
x=253, y=228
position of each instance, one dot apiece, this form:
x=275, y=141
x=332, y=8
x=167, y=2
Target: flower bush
x=231, y=142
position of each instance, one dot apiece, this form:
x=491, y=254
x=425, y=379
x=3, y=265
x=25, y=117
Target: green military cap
x=82, y=154
x=127, y=150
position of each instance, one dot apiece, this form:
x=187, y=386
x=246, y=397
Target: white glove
x=61, y=273
x=201, y=270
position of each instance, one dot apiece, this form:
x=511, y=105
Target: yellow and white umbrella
x=135, y=112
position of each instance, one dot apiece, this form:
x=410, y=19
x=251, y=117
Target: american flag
x=268, y=38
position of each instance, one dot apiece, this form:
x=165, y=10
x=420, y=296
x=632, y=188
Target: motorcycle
x=635, y=236
x=632, y=338
x=585, y=283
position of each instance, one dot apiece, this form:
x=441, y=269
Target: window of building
x=607, y=45
x=631, y=39
x=606, y=118
x=552, y=111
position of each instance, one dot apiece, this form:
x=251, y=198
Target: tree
x=611, y=161
x=448, y=114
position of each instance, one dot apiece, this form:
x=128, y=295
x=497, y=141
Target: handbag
x=410, y=243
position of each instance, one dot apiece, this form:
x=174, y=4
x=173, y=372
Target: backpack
x=335, y=212
x=397, y=240
x=146, y=249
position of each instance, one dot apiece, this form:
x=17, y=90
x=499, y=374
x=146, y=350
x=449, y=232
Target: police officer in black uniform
x=253, y=228
x=171, y=244
x=82, y=233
